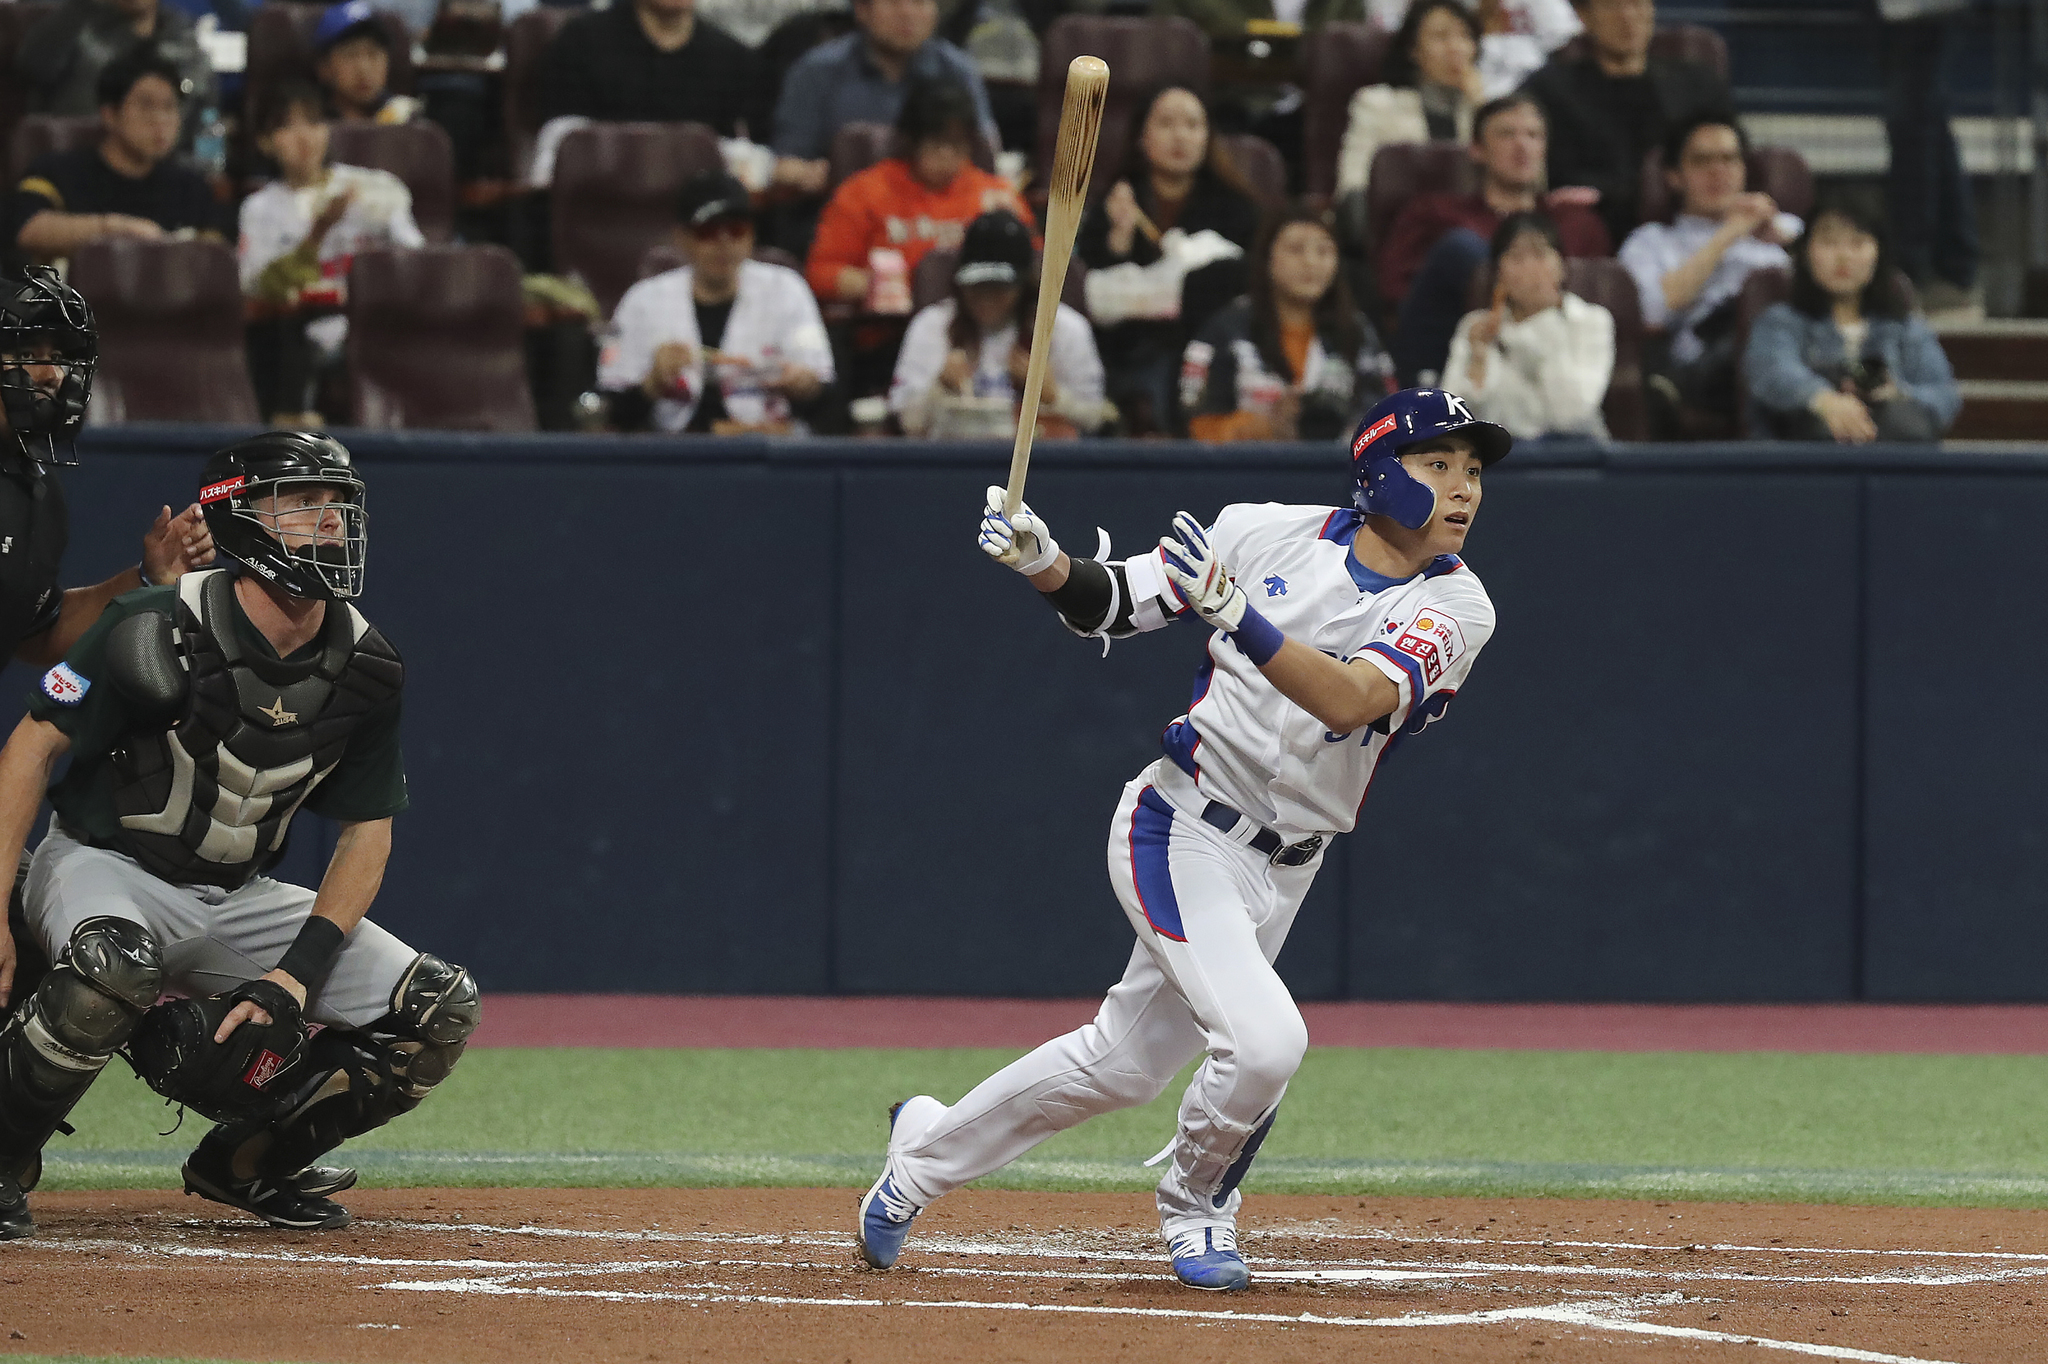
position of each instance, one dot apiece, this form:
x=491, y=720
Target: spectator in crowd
x=1516, y=36
x=1227, y=18
x=963, y=359
x=1846, y=359
x=1437, y=240
x=1610, y=107
x=1690, y=271
x=353, y=62
x=1176, y=175
x=1539, y=360
x=1432, y=88
x=128, y=185
x=722, y=344
x=299, y=234
x=1295, y=360
x=864, y=77
x=909, y=203
x=651, y=61
x=1934, y=218
x=63, y=55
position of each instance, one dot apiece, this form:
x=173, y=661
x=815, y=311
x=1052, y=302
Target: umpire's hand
x=240, y=1014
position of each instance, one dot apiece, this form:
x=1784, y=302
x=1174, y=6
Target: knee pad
x=106, y=977
x=434, y=1009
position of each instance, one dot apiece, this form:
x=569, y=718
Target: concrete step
x=2003, y=409
x=2012, y=349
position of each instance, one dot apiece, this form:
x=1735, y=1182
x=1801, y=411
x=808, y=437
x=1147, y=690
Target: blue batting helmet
x=1399, y=420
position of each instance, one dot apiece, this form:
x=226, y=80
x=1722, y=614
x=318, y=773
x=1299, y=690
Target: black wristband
x=311, y=955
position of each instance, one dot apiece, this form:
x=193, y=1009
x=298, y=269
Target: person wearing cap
x=62, y=55
x=352, y=58
x=722, y=344
x=975, y=345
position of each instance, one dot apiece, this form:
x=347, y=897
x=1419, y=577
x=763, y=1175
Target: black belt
x=1221, y=816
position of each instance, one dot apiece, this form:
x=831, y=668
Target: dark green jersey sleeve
x=75, y=695
x=369, y=781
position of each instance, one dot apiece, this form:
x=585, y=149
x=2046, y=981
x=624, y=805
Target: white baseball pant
x=1211, y=915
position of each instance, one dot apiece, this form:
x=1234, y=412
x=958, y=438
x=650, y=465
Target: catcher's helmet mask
x=44, y=322
x=244, y=484
x=1381, y=484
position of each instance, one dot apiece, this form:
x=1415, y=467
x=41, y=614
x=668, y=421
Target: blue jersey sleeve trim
x=1417, y=688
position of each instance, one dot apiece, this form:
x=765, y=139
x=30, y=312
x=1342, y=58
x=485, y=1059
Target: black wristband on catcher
x=311, y=955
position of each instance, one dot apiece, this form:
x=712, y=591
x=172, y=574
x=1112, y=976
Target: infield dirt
x=769, y=1274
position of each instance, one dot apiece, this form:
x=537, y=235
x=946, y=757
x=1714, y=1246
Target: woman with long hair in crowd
x=1538, y=361
x=1431, y=89
x=1292, y=360
x=1175, y=175
x=1846, y=359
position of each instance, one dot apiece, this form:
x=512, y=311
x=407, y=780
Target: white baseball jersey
x=1245, y=743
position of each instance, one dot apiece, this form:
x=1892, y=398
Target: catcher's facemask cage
x=278, y=464
x=39, y=308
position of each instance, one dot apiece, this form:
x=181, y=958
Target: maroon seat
x=933, y=280
x=1602, y=280
x=1779, y=172
x=170, y=324
x=437, y=339
x=419, y=154
x=1677, y=42
x=1759, y=292
x=1335, y=63
x=526, y=42
x=1142, y=55
x=37, y=134
x=1262, y=166
x=16, y=19
x=281, y=46
x=614, y=196
x=665, y=256
x=1402, y=170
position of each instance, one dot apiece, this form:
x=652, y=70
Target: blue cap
x=341, y=20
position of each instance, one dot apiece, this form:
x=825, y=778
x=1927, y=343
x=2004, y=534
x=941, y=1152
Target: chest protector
x=209, y=800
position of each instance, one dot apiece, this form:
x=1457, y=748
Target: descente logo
x=227, y=487
x=1373, y=433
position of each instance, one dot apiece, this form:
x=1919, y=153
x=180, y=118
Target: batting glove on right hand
x=1023, y=542
x=1201, y=576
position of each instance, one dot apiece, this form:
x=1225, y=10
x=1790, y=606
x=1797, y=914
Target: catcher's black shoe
x=277, y=1201
x=323, y=1181
x=15, y=1222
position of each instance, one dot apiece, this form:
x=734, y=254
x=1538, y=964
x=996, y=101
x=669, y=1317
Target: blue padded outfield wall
x=1759, y=722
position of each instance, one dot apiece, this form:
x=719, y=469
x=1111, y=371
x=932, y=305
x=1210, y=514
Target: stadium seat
x=1341, y=58
x=39, y=133
x=526, y=40
x=170, y=324
x=1602, y=280
x=1677, y=42
x=615, y=195
x=418, y=153
x=1142, y=54
x=933, y=280
x=16, y=19
x=664, y=256
x=437, y=338
x=281, y=46
x=1262, y=166
x=1779, y=172
x=1402, y=170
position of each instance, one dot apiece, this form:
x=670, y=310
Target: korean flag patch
x=64, y=686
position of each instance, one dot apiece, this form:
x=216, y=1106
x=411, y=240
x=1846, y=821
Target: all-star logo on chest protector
x=209, y=798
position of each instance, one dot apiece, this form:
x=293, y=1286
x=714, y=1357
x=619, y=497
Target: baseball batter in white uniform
x=1339, y=634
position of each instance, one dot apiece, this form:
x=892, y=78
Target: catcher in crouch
x=199, y=719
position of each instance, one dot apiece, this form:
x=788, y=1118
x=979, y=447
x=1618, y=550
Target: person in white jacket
x=723, y=345
x=1539, y=360
x=1432, y=89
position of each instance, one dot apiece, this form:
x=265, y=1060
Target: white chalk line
x=1310, y=1230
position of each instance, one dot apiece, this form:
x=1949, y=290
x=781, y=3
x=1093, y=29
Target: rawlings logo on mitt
x=244, y=1077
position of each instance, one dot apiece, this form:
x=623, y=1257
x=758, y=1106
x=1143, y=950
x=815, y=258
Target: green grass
x=1882, y=1129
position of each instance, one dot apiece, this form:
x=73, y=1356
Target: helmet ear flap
x=1389, y=490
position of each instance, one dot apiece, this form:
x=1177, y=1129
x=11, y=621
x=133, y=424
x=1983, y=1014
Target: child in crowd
x=964, y=358
x=1846, y=359
x=722, y=345
x=298, y=235
x=1295, y=360
x=353, y=62
x=1538, y=361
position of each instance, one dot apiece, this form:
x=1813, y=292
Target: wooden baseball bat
x=1067, y=195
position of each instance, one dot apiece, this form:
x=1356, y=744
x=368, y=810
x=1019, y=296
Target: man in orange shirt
x=918, y=199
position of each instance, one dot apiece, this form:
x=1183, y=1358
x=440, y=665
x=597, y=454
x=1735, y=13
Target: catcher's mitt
x=244, y=1077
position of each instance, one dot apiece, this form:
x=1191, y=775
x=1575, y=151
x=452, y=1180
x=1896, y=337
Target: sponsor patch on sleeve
x=1434, y=640
x=65, y=686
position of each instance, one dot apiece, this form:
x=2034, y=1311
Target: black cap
x=996, y=250
x=710, y=196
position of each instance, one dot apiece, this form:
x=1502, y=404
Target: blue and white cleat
x=885, y=1214
x=1207, y=1258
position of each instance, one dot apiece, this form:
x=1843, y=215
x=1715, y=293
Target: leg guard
x=57, y=1042
x=358, y=1080
x=1210, y=1159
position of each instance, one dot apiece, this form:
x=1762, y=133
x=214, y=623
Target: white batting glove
x=1023, y=542
x=1201, y=576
